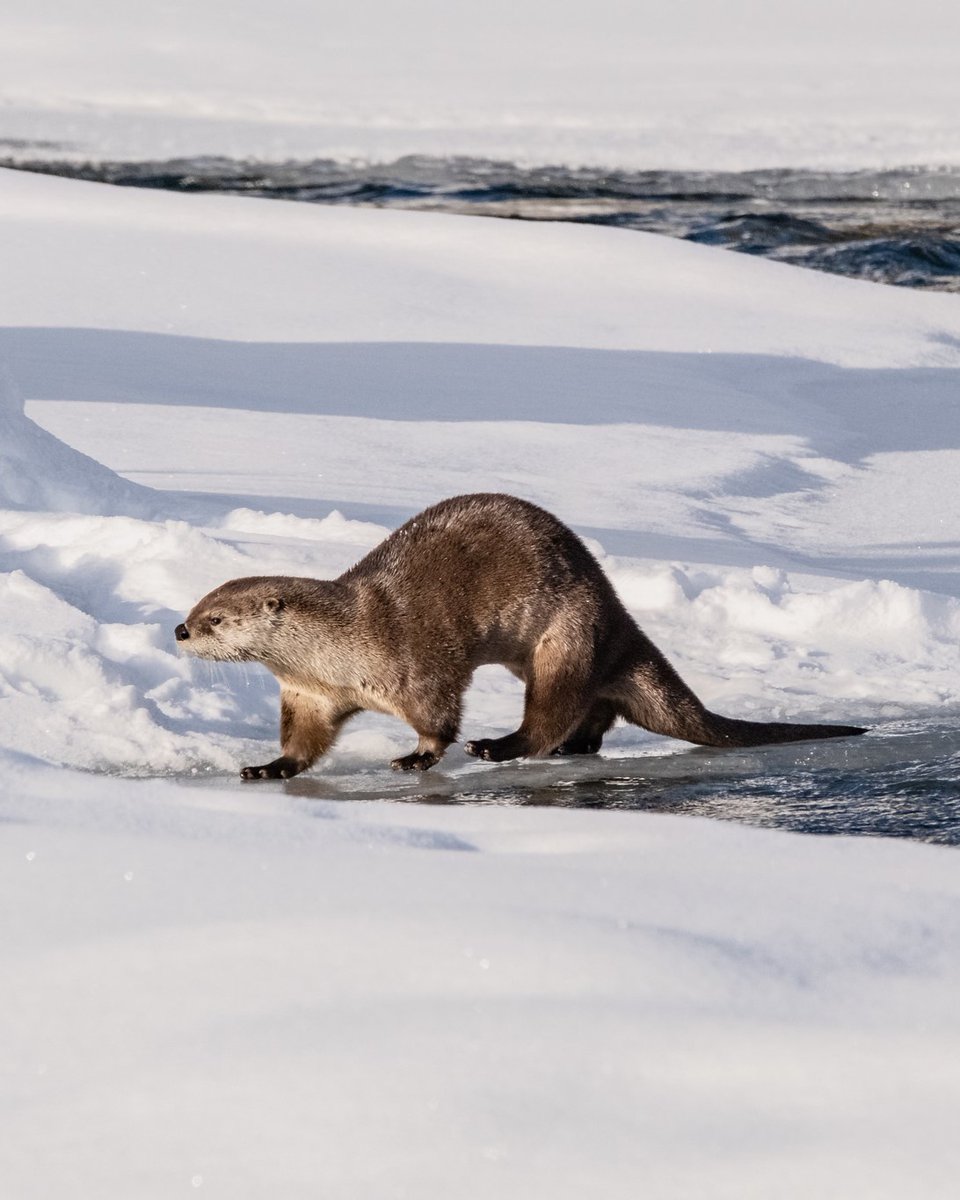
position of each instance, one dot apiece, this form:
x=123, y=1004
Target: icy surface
x=306, y=991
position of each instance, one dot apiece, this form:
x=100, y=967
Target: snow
x=267, y=994
x=317, y=989
x=691, y=84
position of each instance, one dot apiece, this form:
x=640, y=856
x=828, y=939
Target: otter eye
x=215, y=620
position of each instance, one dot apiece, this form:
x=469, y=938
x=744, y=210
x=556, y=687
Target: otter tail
x=653, y=695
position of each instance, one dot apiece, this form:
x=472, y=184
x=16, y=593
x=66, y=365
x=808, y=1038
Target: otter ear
x=274, y=604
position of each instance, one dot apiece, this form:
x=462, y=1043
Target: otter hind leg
x=555, y=703
x=514, y=745
x=280, y=768
x=587, y=738
x=308, y=728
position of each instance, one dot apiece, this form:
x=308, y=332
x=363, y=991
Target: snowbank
x=254, y=993
x=38, y=471
x=248, y=270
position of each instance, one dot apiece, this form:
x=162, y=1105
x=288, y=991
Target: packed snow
x=692, y=84
x=283, y=989
x=260, y=994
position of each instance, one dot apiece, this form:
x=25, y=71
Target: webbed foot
x=280, y=768
x=415, y=762
x=498, y=749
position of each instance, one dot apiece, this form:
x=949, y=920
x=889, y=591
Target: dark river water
x=894, y=226
x=900, y=780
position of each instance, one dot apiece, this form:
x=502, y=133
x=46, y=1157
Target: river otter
x=476, y=579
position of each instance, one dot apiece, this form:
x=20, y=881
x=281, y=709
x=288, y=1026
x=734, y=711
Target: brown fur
x=476, y=579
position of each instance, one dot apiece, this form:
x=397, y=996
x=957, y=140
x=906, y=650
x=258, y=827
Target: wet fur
x=473, y=580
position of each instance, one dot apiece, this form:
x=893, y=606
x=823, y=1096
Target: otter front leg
x=437, y=725
x=430, y=749
x=308, y=728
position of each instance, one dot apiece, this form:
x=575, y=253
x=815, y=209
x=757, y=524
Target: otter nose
x=182, y=633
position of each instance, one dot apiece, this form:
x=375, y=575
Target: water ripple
x=894, y=226
x=901, y=780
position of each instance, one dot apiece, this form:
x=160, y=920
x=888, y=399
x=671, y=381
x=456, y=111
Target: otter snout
x=182, y=633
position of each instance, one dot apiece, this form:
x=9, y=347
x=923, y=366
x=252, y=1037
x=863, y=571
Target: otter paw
x=280, y=768
x=415, y=762
x=495, y=749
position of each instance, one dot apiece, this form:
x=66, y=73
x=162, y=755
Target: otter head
x=236, y=622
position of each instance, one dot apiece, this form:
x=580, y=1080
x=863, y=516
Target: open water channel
x=902, y=779
x=894, y=226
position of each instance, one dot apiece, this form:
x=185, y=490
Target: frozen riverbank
x=249, y=989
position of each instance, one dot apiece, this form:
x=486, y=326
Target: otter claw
x=498, y=749
x=281, y=768
x=481, y=749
